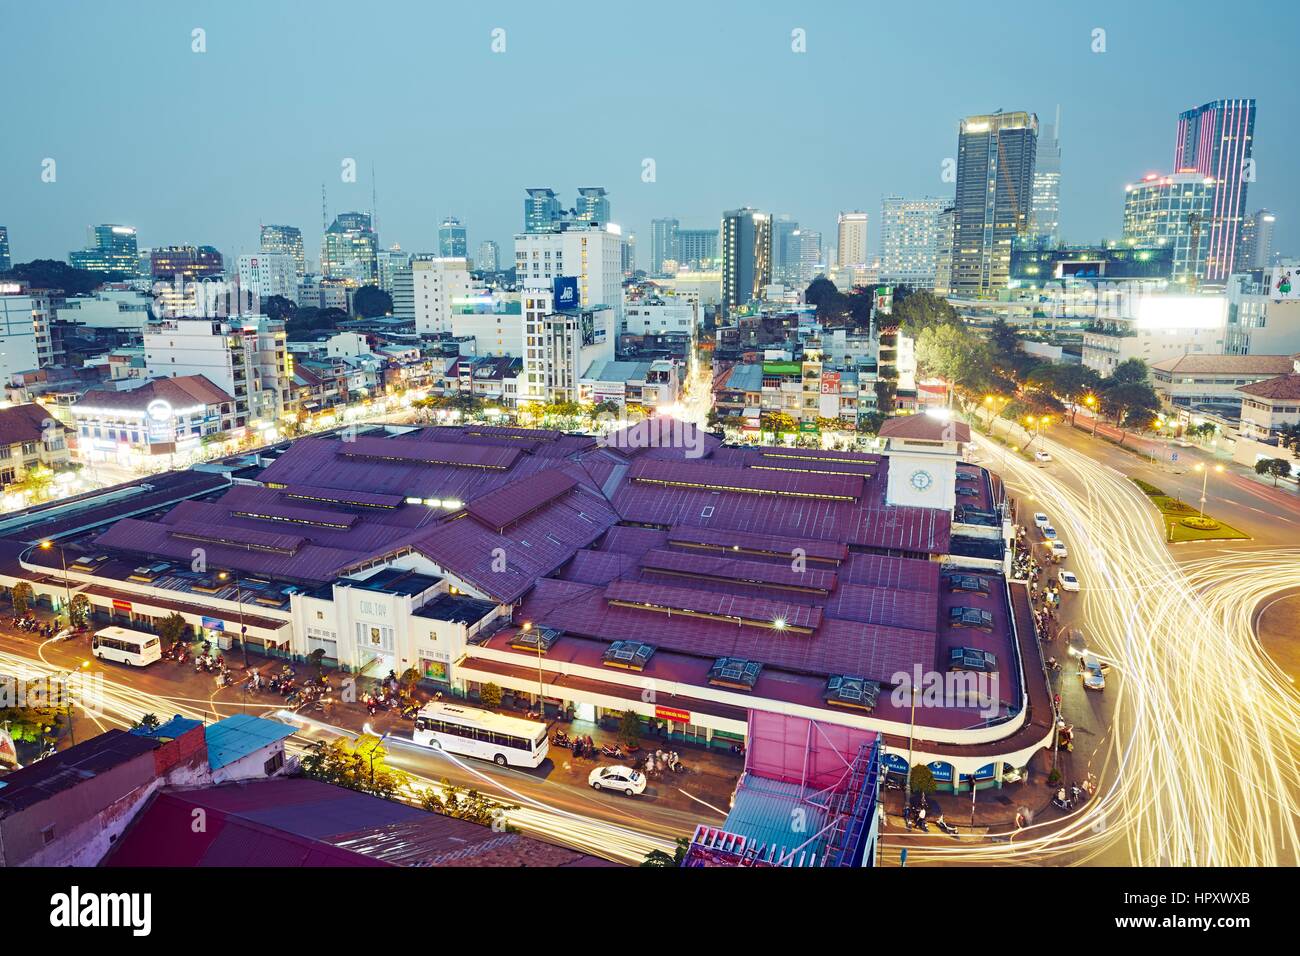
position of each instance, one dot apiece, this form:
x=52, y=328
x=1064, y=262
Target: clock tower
x=923, y=452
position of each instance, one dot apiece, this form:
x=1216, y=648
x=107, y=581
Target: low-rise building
x=164, y=416
x=1270, y=405
x=30, y=437
x=1210, y=383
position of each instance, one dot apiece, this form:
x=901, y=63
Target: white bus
x=135, y=648
x=479, y=733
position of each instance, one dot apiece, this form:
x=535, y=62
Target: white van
x=134, y=648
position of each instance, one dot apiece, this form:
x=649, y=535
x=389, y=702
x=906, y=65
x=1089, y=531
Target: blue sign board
x=894, y=763
x=214, y=624
x=566, y=292
x=941, y=771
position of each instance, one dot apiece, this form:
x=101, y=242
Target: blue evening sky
x=201, y=148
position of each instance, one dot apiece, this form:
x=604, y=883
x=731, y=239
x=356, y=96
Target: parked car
x=1042, y=456
x=1058, y=549
x=1041, y=520
x=617, y=777
x=1068, y=581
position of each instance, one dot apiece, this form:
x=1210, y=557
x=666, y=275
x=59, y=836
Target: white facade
x=108, y=309
x=20, y=317
x=662, y=313
x=495, y=322
x=560, y=346
x=851, y=249
x=909, y=240
x=1258, y=322
x=267, y=274
x=592, y=254
x=435, y=283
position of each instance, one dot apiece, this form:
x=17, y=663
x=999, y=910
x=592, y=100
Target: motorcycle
x=561, y=739
x=947, y=828
x=614, y=753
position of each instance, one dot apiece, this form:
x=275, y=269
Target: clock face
x=921, y=480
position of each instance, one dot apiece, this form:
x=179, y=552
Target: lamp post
x=239, y=600
x=1205, y=479
x=63, y=563
x=541, y=685
x=911, y=734
x=1091, y=402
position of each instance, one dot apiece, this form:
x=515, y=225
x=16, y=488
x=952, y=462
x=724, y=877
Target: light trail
x=1200, y=766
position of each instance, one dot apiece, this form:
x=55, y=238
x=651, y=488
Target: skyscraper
x=909, y=240
x=541, y=210
x=629, y=254
x=350, y=248
x=1255, y=248
x=663, y=243
x=785, y=249
x=5, y=262
x=1215, y=140
x=388, y=263
x=489, y=256
x=851, y=251
x=285, y=240
x=809, y=262
x=111, y=249
x=189, y=262
x=697, y=248
x=995, y=180
x=1173, y=211
x=1045, y=215
x=593, y=205
x=746, y=239
x=453, y=242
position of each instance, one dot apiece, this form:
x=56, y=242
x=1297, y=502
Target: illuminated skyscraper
x=746, y=238
x=1173, y=211
x=350, y=248
x=1045, y=216
x=112, y=249
x=909, y=240
x=453, y=240
x=489, y=256
x=663, y=243
x=1215, y=140
x=541, y=210
x=285, y=240
x=851, y=252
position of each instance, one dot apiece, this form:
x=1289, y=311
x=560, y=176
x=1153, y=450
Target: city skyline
x=1114, y=130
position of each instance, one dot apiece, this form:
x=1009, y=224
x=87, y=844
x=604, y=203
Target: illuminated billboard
x=1282, y=283
x=1154, y=312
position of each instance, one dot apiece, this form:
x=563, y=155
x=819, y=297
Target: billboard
x=1160, y=312
x=566, y=292
x=1282, y=283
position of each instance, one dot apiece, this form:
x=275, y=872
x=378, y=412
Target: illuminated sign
x=672, y=713
x=1283, y=282
x=1163, y=312
x=566, y=292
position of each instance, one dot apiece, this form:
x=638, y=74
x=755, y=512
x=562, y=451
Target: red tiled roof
x=503, y=507
x=1284, y=387
x=182, y=391
x=925, y=428
x=24, y=423
x=750, y=610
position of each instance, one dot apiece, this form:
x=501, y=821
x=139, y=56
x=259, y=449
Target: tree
x=870, y=422
x=370, y=301
x=922, y=310
x=469, y=805
x=279, y=308
x=489, y=695
x=23, y=596
x=629, y=728
x=172, y=628
x=658, y=858
x=357, y=765
x=778, y=422
x=922, y=779
x=53, y=274
x=1130, y=405
x=1129, y=372
x=1273, y=467
x=147, y=722
x=1288, y=436
x=79, y=610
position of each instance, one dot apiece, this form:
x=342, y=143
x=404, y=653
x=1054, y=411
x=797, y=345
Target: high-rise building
x=388, y=262
x=453, y=241
x=809, y=261
x=24, y=331
x=851, y=240
x=267, y=274
x=909, y=240
x=561, y=343
x=593, y=205
x=945, y=243
x=111, y=249
x=995, y=182
x=746, y=239
x=1173, y=211
x=1216, y=140
x=785, y=249
x=1255, y=248
x=541, y=210
x=1045, y=213
x=697, y=248
x=629, y=254
x=5, y=262
x=435, y=282
x=286, y=240
x=591, y=253
x=188, y=262
x=350, y=248
x=489, y=256
x=663, y=244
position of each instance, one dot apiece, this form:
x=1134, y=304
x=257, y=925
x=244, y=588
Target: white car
x=1042, y=456
x=1068, y=581
x=623, y=779
x=1058, y=549
x=1041, y=520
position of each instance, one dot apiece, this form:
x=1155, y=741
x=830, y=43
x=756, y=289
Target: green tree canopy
x=370, y=301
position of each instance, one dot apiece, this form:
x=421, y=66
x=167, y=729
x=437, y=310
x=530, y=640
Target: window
x=274, y=764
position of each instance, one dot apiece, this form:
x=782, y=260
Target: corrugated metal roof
x=238, y=736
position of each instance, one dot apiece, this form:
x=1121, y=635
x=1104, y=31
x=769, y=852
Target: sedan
x=1058, y=549
x=1091, y=674
x=624, y=779
x=1041, y=520
x=1049, y=532
x=1068, y=581
x=1042, y=456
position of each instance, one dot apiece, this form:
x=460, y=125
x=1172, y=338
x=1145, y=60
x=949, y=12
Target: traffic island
x=1183, y=522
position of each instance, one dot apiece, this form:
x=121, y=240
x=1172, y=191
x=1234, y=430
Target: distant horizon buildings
x=6, y=263
x=994, y=196
x=285, y=240
x=909, y=240
x=697, y=248
x=786, y=249
x=350, y=248
x=1217, y=140
x=112, y=248
x=1045, y=214
x=489, y=256
x=746, y=241
x=188, y=262
x=664, y=245
x=1255, y=247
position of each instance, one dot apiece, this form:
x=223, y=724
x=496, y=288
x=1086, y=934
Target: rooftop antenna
x=1057, y=134
x=374, y=203
x=324, y=216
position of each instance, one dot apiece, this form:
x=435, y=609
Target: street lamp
x=63, y=562
x=541, y=685
x=1091, y=402
x=1205, y=479
x=911, y=734
x=239, y=600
